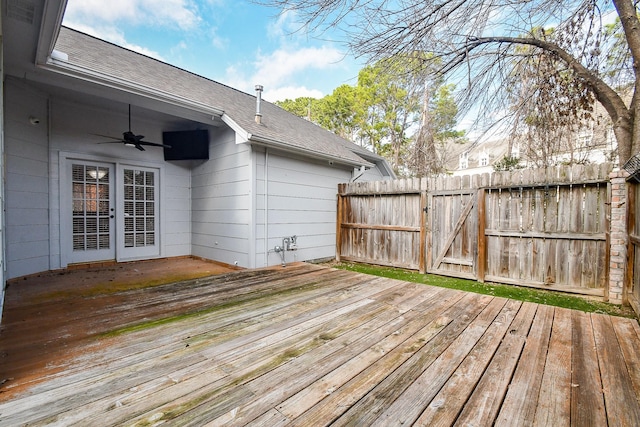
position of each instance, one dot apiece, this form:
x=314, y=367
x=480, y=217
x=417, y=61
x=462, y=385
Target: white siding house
x=74, y=195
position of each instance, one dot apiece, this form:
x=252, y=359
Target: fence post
x=422, y=262
x=482, y=250
x=631, y=247
x=339, y=222
x=618, y=237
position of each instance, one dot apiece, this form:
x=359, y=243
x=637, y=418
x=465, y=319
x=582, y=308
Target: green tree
x=391, y=96
x=383, y=110
x=339, y=112
x=301, y=107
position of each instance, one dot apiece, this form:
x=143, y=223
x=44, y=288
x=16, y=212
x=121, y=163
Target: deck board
x=308, y=345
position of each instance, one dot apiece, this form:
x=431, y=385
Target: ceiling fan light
x=97, y=174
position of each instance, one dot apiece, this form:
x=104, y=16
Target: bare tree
x=476, y=43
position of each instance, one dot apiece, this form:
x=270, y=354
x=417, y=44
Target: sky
x=233, y=42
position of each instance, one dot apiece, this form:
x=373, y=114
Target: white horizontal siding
x=27, y=181
x=301, y=201
x=33, y=238
x=176, y=211
x=221, y=200
x=373, y=174
x=74, y=127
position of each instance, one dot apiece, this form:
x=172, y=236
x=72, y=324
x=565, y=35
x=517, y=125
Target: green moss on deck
x=240, y=300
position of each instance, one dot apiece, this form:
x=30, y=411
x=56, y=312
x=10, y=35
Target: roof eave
x=308, y=153
x=50, y=24
x=66, y=69
x=242, y=136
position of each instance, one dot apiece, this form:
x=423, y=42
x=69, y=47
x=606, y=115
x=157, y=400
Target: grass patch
x=538, y=296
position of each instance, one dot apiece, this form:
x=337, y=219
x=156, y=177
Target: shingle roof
x=278, y=125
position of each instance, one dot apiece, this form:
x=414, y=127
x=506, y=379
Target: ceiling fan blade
x=116, y=139
x=153, y=144
x=130, y=139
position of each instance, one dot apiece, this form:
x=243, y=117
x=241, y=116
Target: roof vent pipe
x=258, y=102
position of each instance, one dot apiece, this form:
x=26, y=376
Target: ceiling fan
x=131, y=139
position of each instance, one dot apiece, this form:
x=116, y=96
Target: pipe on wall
x=266, y=206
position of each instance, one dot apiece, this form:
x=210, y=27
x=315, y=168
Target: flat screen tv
x=186, y=145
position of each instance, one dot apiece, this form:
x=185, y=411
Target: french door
x=137, y=212
x=92, y=212
x=111, y=212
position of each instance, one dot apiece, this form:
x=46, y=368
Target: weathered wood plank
x=427, y=342
x=628, y=332
x=285, y=381
x=587, y=401
x=484, y=400
x=330, y=347
x=481, y=257
x=546, y=235
x=297, y=404
x=485, y=328
x=555, y=389
x=460, y=221
x=519, y=406
x=134, y=348
x=134, y=355
x=367, y=409
x=619, y=393
x=189, y=406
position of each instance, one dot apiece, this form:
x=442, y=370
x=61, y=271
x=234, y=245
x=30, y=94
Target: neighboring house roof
x=84, y=55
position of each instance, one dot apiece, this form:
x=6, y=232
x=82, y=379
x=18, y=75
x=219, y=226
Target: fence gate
x=453, y=233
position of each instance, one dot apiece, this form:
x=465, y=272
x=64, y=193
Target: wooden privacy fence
x=543, y=228
x=633, y=266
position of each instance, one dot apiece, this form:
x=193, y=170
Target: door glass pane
x=139, y=211
x=90, y=207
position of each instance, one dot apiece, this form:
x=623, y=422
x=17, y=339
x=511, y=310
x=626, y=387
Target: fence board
x=540, y=228
x=634, y=246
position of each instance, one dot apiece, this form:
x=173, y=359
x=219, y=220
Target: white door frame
x=99, y=225
x=137, y=212
x=120, y=253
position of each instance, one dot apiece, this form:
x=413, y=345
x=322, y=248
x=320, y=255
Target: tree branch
x=609, y=98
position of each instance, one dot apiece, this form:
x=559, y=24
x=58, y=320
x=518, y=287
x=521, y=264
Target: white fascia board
x=308, y=153
x=52, y=15
x=60, y=67
x=386, y=166
x=242, y=136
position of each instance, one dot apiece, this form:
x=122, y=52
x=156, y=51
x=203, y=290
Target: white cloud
x=277, y=70
x=285, y=26
x=281, y=65
x=166, y=13
x=217, y=41
x=290, y=92
x=294, y=69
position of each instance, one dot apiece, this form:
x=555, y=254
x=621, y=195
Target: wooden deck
x=307, y=345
